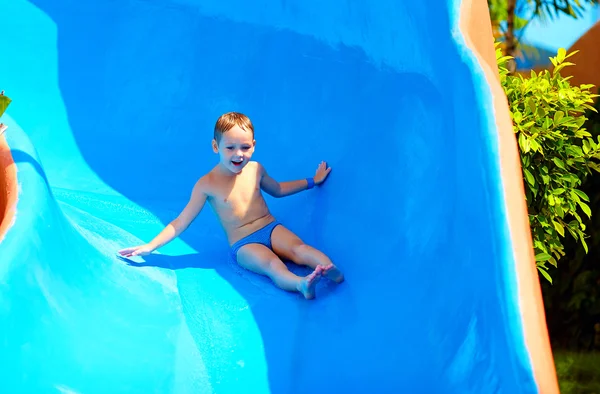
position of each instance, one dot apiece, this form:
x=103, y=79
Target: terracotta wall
x=587, y=61
x=8, y=187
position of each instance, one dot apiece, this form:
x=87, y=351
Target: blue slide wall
x=110, y=126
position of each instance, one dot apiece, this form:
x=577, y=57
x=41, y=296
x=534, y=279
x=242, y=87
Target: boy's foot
x=332, y=272
x=309, y=282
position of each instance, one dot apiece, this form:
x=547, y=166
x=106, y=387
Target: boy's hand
x=322, y=172
x=141, y=250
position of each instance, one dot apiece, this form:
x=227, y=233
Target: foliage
x=4, y=102
x=521, y=12
x=578, y=372
x=554, y=8
x=499, y=15
x=557, y=153
x=573, y=303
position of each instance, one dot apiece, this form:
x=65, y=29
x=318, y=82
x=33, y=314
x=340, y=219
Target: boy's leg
x=261, y=260
x=289, y=246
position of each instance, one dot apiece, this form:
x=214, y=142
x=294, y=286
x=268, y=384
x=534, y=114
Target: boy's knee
x=299, y=250
x=273, y=264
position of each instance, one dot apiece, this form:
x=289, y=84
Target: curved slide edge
x=39, y=232
x=475, y=26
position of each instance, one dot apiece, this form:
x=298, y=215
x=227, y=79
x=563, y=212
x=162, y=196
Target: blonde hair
x=229, y=120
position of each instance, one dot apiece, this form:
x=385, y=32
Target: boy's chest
x=240, y=192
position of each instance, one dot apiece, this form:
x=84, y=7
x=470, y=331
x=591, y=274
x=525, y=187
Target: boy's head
x=234, y=141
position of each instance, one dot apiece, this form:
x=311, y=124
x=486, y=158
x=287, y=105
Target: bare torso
x=238, y=202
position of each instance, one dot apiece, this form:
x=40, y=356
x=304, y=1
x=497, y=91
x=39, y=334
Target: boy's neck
x=226, y=172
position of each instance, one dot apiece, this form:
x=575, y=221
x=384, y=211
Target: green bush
x=578, y=372
x=572, y=304
x=557, y=153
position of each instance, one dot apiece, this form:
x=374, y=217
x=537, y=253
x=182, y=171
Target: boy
x=233, y=189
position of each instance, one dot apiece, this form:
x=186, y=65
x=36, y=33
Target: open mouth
x=237, y=163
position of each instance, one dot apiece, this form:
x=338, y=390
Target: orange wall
x=587, y=61
x=8, y=187
x=476, y=25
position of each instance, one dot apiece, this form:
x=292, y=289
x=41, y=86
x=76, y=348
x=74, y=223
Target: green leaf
x=542, y=257
x=559, y=211
x=585, y=208
x=581, y=194
x=540, y=112
x=560, y=56
x=585, y=246
x=545, y=274
x=576, y=51
x=559, y=163
x=561, y=66
x=586, y=147
x=573, y=232
x=528, y=125
x=559, y=228
x=524, y=143
x=558, y=115
x=531, y=105
x=529, y=177
x=4, y=102
x=517, y=117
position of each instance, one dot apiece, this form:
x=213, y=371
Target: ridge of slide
x=110, y=126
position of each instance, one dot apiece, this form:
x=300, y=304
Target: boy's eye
x=230, y=147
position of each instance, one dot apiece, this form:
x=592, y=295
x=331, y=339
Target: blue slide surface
x=113, y=108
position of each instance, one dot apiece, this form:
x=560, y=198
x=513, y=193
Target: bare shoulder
x=256, y=166
x=204, y=185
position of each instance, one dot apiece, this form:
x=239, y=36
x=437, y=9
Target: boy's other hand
x=141, y=250
x=322, y=172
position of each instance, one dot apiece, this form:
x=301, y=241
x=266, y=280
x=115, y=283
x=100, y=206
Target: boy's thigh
x=284, y=242
x=256, y=258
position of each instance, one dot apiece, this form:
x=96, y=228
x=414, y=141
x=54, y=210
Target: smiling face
x=235, y=149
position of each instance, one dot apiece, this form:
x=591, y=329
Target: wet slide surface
x=110, y=126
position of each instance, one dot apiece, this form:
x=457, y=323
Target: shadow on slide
x=110, y=126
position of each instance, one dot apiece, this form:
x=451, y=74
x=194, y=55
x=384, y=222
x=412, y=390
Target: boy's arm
x=177, y=226
x=283, y=189
x=185, y=218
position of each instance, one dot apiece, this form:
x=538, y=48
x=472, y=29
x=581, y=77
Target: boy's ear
x=215, y=146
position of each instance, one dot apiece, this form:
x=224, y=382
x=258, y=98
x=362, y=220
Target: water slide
x=110, y=126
